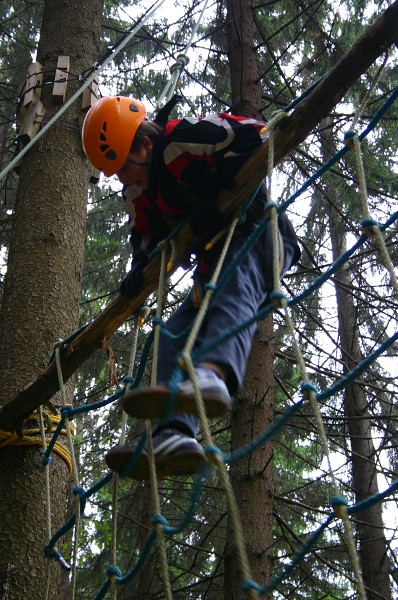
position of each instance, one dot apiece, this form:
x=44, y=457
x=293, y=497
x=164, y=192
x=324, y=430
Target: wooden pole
x=293, y=130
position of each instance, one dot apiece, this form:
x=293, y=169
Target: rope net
x=309, y=412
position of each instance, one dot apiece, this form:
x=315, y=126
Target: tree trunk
x=253, y=408
x=41, y=295
x=252, y=476
x=372, y=541
x=245, y=89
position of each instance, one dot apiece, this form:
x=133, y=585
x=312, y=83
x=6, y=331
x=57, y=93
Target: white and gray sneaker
x=151, y=402
x=175, y=454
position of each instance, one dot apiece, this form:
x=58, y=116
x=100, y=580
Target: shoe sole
x=151, y=403
x=178, y=464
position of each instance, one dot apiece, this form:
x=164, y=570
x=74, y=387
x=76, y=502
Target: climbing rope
x=139, y=320
x=148, y=429
x=32, y=436
x=180, y=64
x=75, y=472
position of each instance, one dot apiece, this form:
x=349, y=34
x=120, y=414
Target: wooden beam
x=61, y=79
x=32, y=122
x=378, y=38
x=90, y=96
x=34, y=79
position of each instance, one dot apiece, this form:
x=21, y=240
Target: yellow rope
x=48, y=497
x=32, y=437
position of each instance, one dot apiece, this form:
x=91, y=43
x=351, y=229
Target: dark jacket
x=193, y=160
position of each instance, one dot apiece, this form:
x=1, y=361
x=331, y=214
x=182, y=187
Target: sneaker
x=151, y=402
x=175, y=454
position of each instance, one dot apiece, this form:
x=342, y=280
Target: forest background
x=64, y=251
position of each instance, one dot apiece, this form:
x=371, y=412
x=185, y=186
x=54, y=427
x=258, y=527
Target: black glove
x=134, y=279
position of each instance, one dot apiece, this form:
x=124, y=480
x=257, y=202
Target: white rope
x=341, y=510
x=115, y=476
x=182, y=61
x=148, y=429
x=75, y=473
x=236, y=523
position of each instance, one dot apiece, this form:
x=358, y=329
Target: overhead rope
x=180, y=64
x=86, y=83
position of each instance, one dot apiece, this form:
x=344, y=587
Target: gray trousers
x=238, y=300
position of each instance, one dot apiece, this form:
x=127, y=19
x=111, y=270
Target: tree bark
x=252, y=476
x=41, y=295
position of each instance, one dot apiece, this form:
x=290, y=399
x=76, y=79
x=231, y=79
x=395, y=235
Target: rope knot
x=278, y=298
x=160, y=522
x=113, y=572
x=181, y=363
x=157, y=321
x=67, y=411
x=213, y=453
x=276, y=118
x=162, y=245
x=349, y=138
x=59, y=344
x=269, y=208
x=210, y=286
x=369, y=225
x=46, y=460
x=181, y=62
x=307, y=388
x=339, y=505
x=249, y=585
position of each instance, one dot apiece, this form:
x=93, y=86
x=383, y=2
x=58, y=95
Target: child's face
x=135, y=170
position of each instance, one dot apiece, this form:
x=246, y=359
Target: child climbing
x=171, y=170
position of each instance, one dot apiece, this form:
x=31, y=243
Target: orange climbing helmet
x=108, y=131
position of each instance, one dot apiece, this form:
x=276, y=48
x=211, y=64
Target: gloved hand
x=134, y=279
